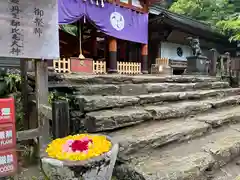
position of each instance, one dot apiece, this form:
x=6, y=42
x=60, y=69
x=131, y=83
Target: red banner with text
x=8, y=156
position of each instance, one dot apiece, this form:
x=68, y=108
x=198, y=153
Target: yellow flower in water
x=78, y=147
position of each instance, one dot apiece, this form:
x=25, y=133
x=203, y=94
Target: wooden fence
x=62, y=65
x=162, y=61
x=160, y=66
x=99, y=67
x=129, y=68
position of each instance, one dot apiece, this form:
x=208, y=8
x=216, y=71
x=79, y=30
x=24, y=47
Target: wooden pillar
x=94, y=43
x=41, y=84
x=228, y=63
x=144, y=62
x=123, y=51
x=112, y=64
x=24, y=91
x=213, y=62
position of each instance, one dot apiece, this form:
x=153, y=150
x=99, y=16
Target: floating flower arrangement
x=78, y=147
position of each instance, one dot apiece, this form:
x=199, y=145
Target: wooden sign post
x=8, y=157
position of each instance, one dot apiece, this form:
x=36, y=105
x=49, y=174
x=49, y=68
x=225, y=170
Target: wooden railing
x=62, y=65
x=162, y=61
x=129, y=67
x=99, y=67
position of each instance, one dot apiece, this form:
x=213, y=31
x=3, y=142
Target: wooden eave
x=186, y=24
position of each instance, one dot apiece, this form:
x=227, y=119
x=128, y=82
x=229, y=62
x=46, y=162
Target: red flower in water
x=80, y=145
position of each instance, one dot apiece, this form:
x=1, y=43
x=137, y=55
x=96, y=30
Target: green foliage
x=13, y=82
x=219, y=14
x=56, y=96
x=231, y=25
x=19, y=111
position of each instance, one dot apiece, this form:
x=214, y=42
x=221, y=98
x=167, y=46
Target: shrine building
x=107, y=36
x=168, y=33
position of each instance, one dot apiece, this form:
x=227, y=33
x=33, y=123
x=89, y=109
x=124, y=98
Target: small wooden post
x=112, y=64
x=213, y=62
x=144, y=62
x=24, y=92
x=228, y=63
x=61, y=119
x=41, y=75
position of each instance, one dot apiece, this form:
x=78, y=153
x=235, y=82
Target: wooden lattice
x=99, y=67
x=62, y=65
x=162, y=61
x=129, y=68
x=162, y=66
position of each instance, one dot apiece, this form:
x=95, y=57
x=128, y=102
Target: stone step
x=145, y=88
x=155, y=134
x=137, y=79
x=93, y=103
x=192, y=160
x=117, y=118
x=230, y=171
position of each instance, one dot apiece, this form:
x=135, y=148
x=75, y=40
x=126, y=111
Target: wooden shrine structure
x=103, y=53
x=168, y=44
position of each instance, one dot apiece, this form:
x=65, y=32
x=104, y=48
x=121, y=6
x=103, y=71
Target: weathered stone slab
x=199, y=94
x=191, y=167
x=96, y=102
x=185, y=168
x=231, y=100
x=159, y=97
x=175, y=96
x=216, y=119
x=113, y=119
x=177, y=110
x=145, y=88
x=228, y=172
x=219, y=84
x=93, y=103
x=174, y=87
x=157, y=134
x=106, y=89
x=169, y=87
x=224, y=149
x=190, y=160
x=133, y=89
x=117, y=79
x=154, y=134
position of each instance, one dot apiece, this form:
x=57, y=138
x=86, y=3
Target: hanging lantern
x=96, y=2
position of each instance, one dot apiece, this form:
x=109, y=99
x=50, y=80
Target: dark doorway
x=178, y=71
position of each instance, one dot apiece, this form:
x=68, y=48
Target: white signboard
x=29, y=29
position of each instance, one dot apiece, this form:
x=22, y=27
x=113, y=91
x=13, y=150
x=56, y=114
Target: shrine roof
x=162, y=16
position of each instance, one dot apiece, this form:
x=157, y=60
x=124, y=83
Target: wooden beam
x=28, y=134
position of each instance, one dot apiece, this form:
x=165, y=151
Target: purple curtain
x=112, y=20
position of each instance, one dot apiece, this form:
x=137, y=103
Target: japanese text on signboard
x=29, y=29
x=16, y=31
x=38, y=21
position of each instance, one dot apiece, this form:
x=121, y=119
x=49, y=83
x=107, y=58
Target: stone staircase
x=168, y=128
